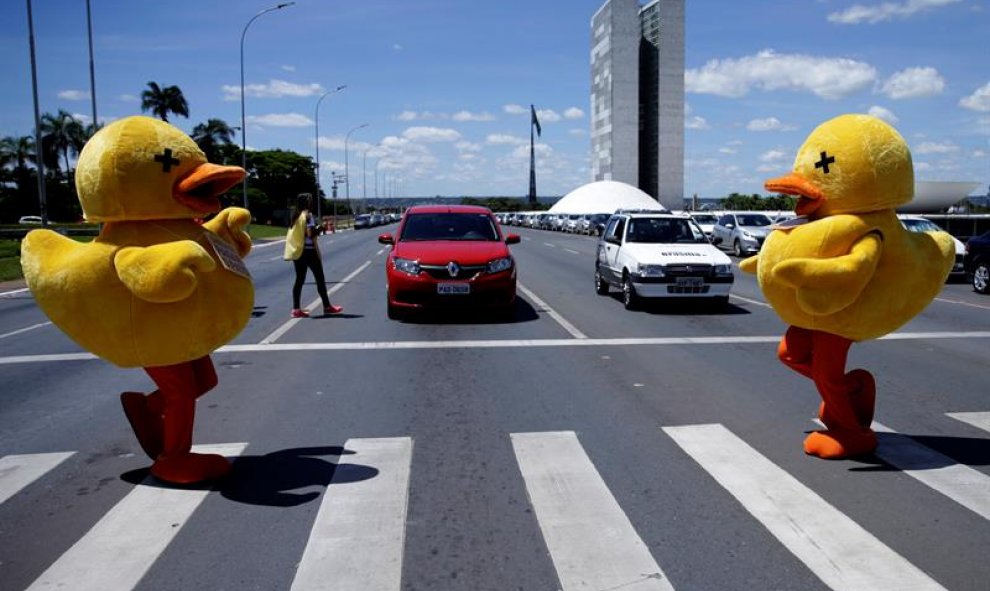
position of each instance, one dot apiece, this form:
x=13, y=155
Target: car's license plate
x=690, y=282
x=453, y=288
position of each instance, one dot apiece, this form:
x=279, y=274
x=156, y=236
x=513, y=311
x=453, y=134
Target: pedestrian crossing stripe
x=123, y=545
x=980, y=420
x=592, y=543
x=835, y=548
x=18, y=471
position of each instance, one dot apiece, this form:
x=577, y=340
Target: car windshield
x=921, y=225
x=756, y=219
x=449, y=226
x=664, y=231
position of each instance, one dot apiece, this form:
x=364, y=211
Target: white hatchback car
x=660, y=255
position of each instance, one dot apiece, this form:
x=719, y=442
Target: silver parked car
x=742, y=233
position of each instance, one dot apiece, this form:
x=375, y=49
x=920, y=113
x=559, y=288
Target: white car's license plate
x=453, y=288
x=690, y=282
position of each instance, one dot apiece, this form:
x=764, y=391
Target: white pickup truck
x=652, y=254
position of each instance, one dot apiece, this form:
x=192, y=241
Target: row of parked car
x=591, y=224
x=371, y=220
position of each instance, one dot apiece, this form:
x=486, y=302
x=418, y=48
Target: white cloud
x=578, y=132
x=466, y=146
x=935, y=148
x=274, y=89
x=774, y=156
x=979, y=100
x=727, y=150
x=695, y=122
x=515, y=109
x=417, y=116
x=922, y=166
x=768, y=124
x=979, y=154
x=406, y=116
x=280, y=120
x=128, y=98
x=504, y=138
x=397, y=47
x=469, y=116
x=573, y=113
x=882, y=113
x=914, y=83
x=828, y=78
x=884, y=11
x=431, y=134
x=74, y=95
x=288, y=68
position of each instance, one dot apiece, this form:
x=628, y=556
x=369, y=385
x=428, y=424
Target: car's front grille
x=688, y=270
x=441, y=271
x=703, y=289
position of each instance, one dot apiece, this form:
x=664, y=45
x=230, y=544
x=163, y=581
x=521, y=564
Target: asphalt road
x=577, y=446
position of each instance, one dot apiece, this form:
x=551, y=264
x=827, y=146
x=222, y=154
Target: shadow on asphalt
x=683, y=306
x=521, y=312
x=969, y=451
x=275, y=479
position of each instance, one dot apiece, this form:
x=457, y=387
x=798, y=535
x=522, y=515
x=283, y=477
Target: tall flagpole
x=532, y=161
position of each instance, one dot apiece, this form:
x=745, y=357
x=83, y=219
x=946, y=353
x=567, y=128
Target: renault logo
x=453, y=268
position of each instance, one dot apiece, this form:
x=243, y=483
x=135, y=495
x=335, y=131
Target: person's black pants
x=309, y=260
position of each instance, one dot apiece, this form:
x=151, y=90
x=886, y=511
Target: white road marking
x=13, y=292
x=550, y=245
x=749, y=301
x=18, y=471
x=553, y=313
x=492, y=344
x=357, y=539
x=967, y=486
x=980, y=420
x=266, y=244
x=123, y=545
x=835, y=548
x=22, y=330
x=962, y=303
x=571, y=251
x=591, y=541
x=278, y=332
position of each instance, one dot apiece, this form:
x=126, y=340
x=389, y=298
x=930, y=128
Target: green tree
x=61, y=134
x=210, y=136
x=162, y=101
x=280, y=175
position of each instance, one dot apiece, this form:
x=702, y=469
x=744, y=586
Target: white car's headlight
x=406, y=266
x=723, y=269
x=747, y=235
x=499, y=265
x=651, y=270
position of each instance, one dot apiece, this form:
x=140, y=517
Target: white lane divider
x=123, y=545
x=591, y=540
x=278, y=332
x=835, y=548
x=553, y=313
x=18, y=471
x=25, y=329
x=749, y=301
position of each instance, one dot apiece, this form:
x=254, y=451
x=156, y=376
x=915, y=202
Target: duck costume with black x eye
x=156, y=289
x=847, y=270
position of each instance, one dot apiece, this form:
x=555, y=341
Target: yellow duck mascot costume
x=846, y=270
x=156, y=289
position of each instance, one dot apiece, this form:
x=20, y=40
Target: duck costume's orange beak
x=199, y=190
x=810, y=197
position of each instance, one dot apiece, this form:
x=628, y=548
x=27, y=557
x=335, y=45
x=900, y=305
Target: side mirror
x=386, y=239
x=512, y=239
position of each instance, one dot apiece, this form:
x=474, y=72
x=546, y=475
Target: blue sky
x=445, y=86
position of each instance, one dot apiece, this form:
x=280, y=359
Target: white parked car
x=741, y=232
x=660, y=255
x=706, y=220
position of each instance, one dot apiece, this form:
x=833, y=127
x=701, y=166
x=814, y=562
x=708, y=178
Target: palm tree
x=211, y=135
x=162, y=101
x=61, y=134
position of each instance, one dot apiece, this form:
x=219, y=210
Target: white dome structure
x=934, y=196
x=604, y=197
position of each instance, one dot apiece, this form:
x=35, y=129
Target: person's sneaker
x=297, y=313
x=331, y=309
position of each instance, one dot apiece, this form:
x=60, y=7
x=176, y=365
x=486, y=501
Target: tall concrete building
x=637, y=97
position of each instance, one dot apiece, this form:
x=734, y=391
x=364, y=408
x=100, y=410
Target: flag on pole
x=535, y=122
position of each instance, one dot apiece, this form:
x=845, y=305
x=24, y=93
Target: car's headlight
x=499, y=265
x=406, y=266
x=651, y=270
x=723, y=269
x=747, y=235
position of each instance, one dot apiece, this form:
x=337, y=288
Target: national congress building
x=637, y=97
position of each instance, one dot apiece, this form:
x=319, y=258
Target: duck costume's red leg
x=178, y=388
x=847, y=399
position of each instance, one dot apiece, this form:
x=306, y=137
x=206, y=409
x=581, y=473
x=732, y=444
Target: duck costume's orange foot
x=190, y=468
x=836, y=445
x=145, y=421
x=862, y=398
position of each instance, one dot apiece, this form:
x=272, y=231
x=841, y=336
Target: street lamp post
x=316, y=118
x=347, y=173
x=244, y=183
x=364, y=175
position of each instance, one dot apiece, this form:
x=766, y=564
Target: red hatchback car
x=448, y=256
